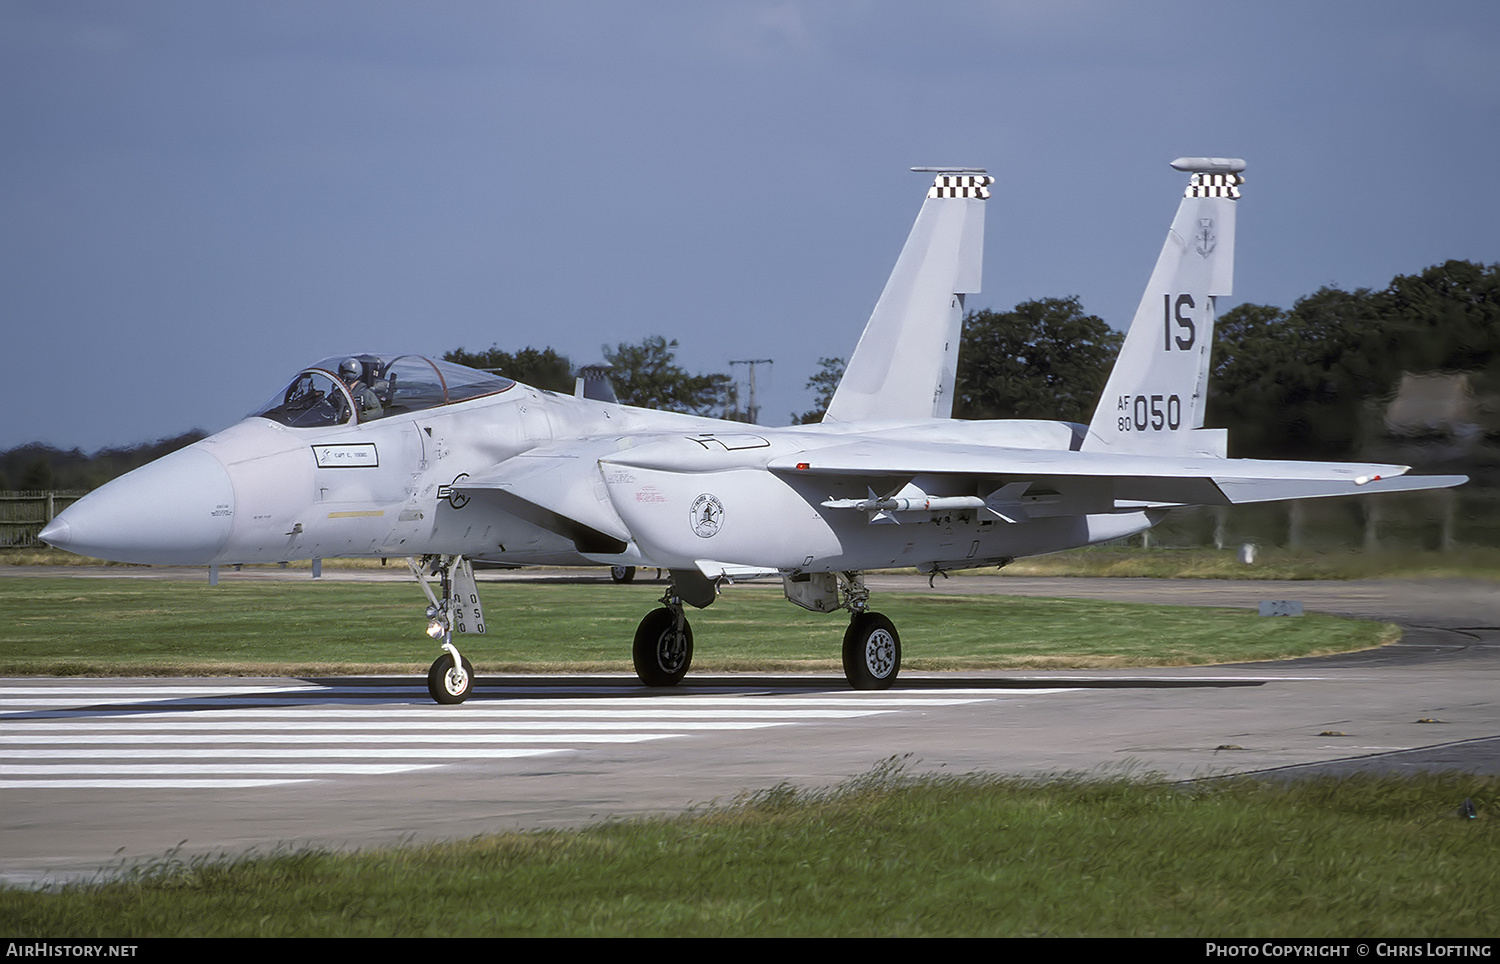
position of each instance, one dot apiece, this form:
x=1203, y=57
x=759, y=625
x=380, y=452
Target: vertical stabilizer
x=905, y=364
x=1155, y=396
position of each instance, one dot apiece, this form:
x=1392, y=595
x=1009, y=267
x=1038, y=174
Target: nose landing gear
x=451, y=677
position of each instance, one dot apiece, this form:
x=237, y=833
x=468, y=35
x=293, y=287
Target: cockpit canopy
x=364, y=387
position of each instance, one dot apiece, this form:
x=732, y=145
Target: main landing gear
x=663, y=647
x=872, y=652
x=451, y=677
x=872, y=647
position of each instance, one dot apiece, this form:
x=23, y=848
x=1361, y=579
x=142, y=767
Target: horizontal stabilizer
x=1240, y=491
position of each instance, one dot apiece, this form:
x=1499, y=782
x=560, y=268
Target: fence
x=23, y=514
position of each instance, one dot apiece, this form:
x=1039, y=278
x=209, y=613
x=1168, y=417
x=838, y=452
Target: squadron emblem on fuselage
x=706, y=515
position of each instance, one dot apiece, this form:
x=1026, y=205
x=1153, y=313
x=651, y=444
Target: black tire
x=622, y=574
x=662, y=656
x=872, y=652
x=444, y=685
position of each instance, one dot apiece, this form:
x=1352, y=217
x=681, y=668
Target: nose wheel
x=449, y=680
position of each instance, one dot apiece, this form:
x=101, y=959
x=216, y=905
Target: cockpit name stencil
x=350, y=455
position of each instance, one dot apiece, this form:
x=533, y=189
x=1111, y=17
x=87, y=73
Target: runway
x=98, y=772
x=141, y=734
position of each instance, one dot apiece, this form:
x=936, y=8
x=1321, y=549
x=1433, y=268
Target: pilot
x=365, y=399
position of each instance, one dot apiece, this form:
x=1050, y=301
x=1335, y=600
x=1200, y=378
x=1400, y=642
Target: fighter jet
x=373, y=454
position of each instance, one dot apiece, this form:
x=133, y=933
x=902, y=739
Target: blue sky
x=198, y=198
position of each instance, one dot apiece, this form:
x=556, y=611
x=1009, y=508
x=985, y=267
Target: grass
x=881, y=856
x=82, y=626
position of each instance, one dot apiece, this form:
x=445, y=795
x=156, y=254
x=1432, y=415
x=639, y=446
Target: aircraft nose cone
x=56, y=533
x=176, y=511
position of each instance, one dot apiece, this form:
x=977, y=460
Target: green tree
x=1293, y=384
x=42, y=466
x=1447, y=318
x=544, y=369
x=647, y=375
x=823, y=384
x=1346, y=355
x=1297, y=383
x=38, y=476
x=1042, y=359
x=1253, y=370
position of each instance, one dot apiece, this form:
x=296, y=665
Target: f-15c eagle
x=388, y=455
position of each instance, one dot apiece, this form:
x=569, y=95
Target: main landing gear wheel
x=449, y=683
x=662, y=653
x=622, y=573
x=872, y=652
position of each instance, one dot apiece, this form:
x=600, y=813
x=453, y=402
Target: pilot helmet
x=350, y=369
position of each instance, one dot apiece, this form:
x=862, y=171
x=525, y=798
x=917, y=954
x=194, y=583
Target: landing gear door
x=464, y=608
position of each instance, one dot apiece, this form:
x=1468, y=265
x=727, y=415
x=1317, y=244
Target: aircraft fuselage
x=674, y=492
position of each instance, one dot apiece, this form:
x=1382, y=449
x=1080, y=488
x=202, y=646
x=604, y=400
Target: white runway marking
x=81, y=735
x=281, y=753
x=549, y=735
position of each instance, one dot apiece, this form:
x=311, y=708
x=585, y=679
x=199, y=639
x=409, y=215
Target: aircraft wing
x=558, y=488
x=1165, y=480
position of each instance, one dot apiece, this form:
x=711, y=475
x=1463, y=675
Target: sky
x=199, y=198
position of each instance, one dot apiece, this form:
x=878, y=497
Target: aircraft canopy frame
x=386, y=384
